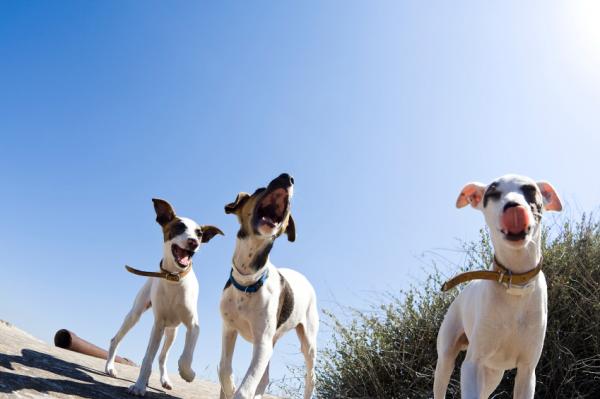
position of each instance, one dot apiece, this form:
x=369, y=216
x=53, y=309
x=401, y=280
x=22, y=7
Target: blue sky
x=380, y=110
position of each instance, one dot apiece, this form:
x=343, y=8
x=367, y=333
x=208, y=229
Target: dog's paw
x=110, y=370
x=136, y=391
x=186, y=372
x=166, y=383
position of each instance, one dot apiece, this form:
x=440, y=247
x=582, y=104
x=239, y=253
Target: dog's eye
x=199, y=233
x=491, y=193
x=177, y=229
x=530, y=193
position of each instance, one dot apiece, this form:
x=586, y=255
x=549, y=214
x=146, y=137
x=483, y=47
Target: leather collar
x=249, y=288
x=501, y=274
x=175, y=277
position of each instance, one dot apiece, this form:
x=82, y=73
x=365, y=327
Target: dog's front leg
x=139, y=389
x=524, y=383
x=478, y=381
x=472, y=381
x=185, y=361
x=261, y=355
x=225, y=370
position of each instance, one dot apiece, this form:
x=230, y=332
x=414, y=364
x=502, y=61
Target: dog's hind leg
x=451, y=340
x=170, y=334
x=225, y=370
x=492, y=379
x=140, y=305
x=308, y=345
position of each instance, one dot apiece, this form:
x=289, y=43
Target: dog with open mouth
x=172, y=294
x=261, y=302
x=500, y=320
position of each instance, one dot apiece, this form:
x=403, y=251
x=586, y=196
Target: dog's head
x=182, y=236
x=266, y=213
x=512, y=206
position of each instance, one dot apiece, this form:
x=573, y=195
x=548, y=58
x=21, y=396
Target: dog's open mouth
x=515, y=223
x=272, y=208
x=182, y=257
x=515, y=236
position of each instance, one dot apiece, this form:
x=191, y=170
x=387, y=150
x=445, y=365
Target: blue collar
x=249, y=288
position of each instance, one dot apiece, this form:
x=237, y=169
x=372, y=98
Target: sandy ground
x=30, y=368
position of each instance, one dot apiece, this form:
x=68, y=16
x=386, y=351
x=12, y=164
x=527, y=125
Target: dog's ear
x=234, y=206
x=472, y=194
x=208, y=232
x=164, y=211
x=290, y=229
x=551, y=199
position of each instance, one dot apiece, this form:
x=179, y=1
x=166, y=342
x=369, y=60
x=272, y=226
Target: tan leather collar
x=500, y=274
x=162, y=274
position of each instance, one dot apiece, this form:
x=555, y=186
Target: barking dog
x=261, y=302
x=173, y=296
x=502, y=323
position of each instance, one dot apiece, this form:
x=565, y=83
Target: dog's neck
x=251, y=255
x=520, y=260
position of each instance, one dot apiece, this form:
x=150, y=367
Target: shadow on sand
x=79, y=382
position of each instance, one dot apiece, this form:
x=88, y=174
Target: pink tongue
x=515, y=219
x=185, y=260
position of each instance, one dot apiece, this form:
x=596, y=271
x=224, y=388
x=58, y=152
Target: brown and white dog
x=261, y=302
x=501, y=325
x=173, y=298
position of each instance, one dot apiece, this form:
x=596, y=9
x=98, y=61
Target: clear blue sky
x=380, y=110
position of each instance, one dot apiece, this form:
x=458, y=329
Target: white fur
x=505, y=328
x=173, y=303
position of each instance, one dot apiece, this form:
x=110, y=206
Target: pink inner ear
x=470, y=194
x=551, y=199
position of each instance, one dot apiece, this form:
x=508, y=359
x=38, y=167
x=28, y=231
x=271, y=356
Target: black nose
x=286, y=178
x=510, y=204
x=192, y=244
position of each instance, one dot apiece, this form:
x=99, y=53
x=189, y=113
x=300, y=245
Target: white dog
x=500, y=323
x=173, y=296
x=261, y=302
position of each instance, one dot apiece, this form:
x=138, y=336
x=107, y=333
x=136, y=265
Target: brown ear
x=234, y=206
x=164, y=211
x=290, y=230
x=208, y=232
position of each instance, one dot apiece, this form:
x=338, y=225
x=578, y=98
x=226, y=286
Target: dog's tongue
x=183, y=257
x=515, y=219
x=185, y=260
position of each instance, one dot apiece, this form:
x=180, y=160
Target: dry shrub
x=389, y=351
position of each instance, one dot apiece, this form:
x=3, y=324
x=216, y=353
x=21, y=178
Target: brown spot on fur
x=286, y=301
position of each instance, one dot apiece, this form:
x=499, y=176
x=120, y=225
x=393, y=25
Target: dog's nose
x=510, y=204
x=192, y=244
x=286, y=178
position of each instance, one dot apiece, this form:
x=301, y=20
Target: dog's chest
x=245, y=311
x=511, y=334
x=174, y=304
